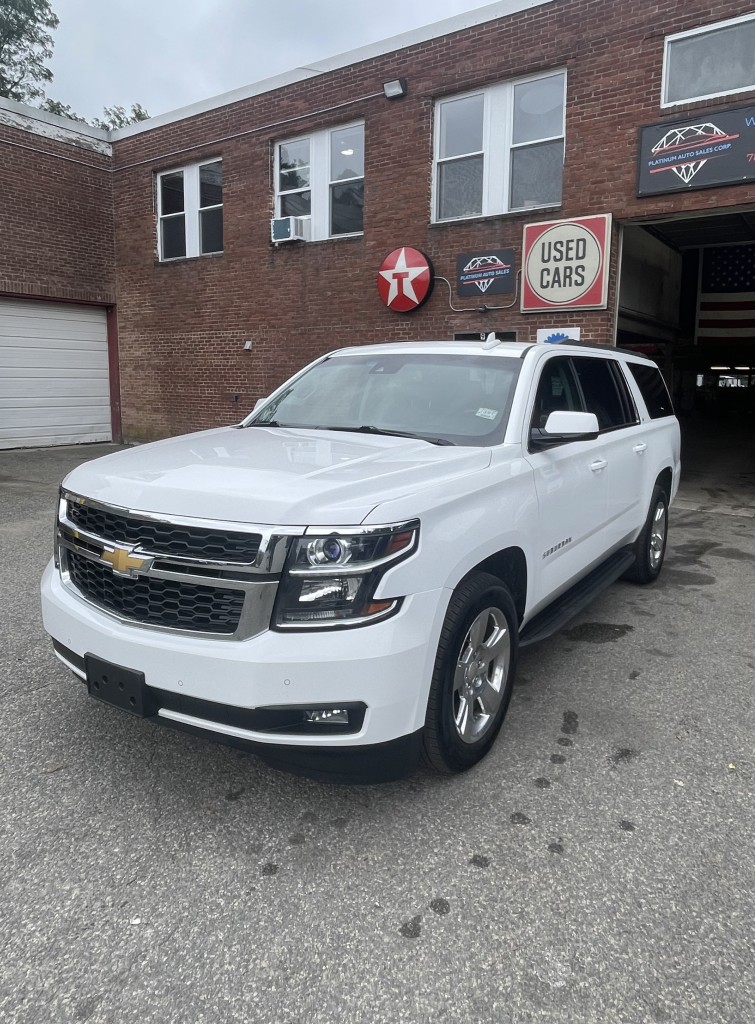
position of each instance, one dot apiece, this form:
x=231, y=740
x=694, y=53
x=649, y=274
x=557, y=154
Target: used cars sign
x=565, y=264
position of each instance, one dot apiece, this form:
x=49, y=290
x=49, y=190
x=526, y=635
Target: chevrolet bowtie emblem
x=125, y=562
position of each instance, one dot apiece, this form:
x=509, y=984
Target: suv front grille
x=158, y=602
x=166, y=538
x=206, y=577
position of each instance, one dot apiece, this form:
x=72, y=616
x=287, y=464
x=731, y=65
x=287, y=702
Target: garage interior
x=687, y=299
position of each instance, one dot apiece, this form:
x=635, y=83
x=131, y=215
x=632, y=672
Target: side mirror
x=258, y=403
x=562, y=427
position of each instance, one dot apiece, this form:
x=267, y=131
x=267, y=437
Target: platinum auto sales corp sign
x=565, y=264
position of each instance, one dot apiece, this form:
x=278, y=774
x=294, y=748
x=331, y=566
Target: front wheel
x=473, y=675
x=650, y=546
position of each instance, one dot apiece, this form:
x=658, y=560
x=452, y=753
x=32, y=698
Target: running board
x=564, y=608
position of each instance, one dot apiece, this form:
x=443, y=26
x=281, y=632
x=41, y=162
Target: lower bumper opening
x=295, y=719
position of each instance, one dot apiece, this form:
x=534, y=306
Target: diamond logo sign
x=490, y=271
x=712, y=150
x=677, y=149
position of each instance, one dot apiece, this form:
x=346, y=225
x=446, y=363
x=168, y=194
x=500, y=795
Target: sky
x=166, y=54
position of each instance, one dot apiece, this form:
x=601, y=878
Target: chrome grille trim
x=264, y=561
x=257, y=581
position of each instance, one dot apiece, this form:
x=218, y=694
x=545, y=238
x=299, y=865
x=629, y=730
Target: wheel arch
x=510, y=566
x=665, y=480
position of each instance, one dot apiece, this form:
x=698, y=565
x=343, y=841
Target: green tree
x=25, y=45
x=119, y=117
x=113, y=117
x=61, y=109
x=26, y=42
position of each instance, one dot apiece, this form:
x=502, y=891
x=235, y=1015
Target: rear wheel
x=473, y=675
x=650, y=546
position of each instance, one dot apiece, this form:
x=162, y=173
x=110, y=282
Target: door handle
x=598, y=465
x=639, y=448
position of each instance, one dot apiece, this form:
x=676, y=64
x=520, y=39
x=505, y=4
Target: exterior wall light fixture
x=395, y=89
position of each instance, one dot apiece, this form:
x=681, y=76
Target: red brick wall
x=182, y=325
x=56, y=216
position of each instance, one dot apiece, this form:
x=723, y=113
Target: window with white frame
x=190, y=211
x=716, y=60
x=500, y=148
x=320, y=177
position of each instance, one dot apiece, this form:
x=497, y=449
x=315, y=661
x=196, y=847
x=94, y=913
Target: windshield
x=442, y=398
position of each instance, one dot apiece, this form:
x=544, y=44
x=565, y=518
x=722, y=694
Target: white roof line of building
x=52, y=126
x=491, y=12
x=40, y=122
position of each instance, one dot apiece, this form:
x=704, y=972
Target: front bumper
x=386, y=666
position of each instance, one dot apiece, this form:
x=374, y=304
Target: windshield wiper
x=363, y=429
x=367, y=428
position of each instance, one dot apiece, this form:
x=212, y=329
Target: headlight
x=328, y=551
x=330, y=579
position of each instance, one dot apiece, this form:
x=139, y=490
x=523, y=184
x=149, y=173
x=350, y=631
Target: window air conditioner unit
x=289, y=229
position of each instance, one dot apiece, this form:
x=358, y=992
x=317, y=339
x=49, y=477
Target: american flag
x=726, y=310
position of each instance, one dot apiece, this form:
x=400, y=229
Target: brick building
x=141, y=293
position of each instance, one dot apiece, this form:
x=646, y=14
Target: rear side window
x=602, y=395
x=653, y=390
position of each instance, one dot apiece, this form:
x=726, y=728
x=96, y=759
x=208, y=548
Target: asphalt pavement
x=596, y=868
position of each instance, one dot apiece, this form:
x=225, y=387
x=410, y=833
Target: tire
x=473, y=675
x=650, y=546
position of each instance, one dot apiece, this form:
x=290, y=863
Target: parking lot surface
x=596, y=867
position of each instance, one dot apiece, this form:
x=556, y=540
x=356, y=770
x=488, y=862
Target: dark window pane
x=347, y=153
x=556, y=392
x=297, y=204
x=653, y=389
x=461, y=126
x=290, y=180
x=294, y=154
x=712, y=62
x=172, y=193
x=173, y=238
x=460, y=188
x=539, y=109
x=211, y=184
x=346, y=203
x=600, y=393
x=625, y=396
x=536, y=175
x=211, y=230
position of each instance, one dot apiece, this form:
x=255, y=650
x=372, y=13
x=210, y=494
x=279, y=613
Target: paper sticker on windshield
x=487, y=414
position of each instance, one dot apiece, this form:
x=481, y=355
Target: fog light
x=327, y=716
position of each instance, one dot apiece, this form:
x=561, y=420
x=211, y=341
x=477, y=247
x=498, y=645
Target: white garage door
x=54, y=382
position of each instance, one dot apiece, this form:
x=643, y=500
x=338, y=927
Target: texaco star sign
x=405, y=279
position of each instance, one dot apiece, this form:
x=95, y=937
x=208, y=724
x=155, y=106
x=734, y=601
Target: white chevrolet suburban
x=342, y=581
